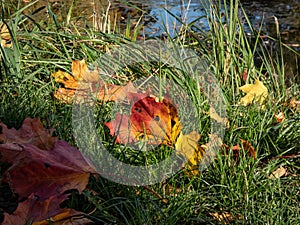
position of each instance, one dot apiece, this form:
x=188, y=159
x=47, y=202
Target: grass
x=229, y=191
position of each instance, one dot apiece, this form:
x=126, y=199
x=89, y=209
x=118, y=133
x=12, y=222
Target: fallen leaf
x=149, y=120
x=122, y=129
x=187, y=145
x=256, y=92
x=224, y=217
x=65, y=95
x=279, y=117
x=40, y=212
x=41, y=169
x=44, y=173
x=5, y=36
x=79, y=70
x=75, y=220
x=247, y=147
x=32, y=132
x=86, y=83
x=276, y=174
x=244, y=76
x=294, y=104
x=210, y=150
x=117, y=93
x=214, y=115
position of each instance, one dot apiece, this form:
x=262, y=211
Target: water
x=263, y=15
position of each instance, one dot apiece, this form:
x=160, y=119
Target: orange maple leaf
x=84, y=83
x=150, y=120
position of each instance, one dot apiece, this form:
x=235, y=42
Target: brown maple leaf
x=39, y=173
x=32, y=132
x=44, y=173
x=40, y=212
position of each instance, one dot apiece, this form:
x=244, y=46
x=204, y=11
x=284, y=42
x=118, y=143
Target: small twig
x=156, y=194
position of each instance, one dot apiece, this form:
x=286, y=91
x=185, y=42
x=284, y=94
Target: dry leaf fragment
x=279, y=117
x=224, y=217
x=276, y=174
x=76, y=220
x=214, y=115
x=248, y=148
x=5, y=36
x=255, y=92
x=65, y=95
x=294, y=104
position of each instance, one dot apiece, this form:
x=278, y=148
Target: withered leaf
x=32, y=132
x=188, y=146
x=44, y=173
x=40, y=212
x=41, y=169
x=5, y=36
x=279, y=117
x=86, y=83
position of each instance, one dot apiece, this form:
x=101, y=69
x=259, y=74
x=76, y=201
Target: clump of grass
x=228, y=191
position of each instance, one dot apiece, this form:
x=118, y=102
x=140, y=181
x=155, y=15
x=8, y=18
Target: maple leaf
x=40, y=212
x=188, y=146
x=255, y=92
x=32, y=131
x=79, y=70
x=84, y=83
x=156, y=122
x=151, y=120
x=44, y=173
x=38, y=170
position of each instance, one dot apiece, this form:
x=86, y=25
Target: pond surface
x=157, y=20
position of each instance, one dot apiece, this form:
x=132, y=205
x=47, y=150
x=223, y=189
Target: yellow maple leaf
x=187, y=146
x=255, y=92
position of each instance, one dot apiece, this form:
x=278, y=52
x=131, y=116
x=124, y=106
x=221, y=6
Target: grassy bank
x=230, y=190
